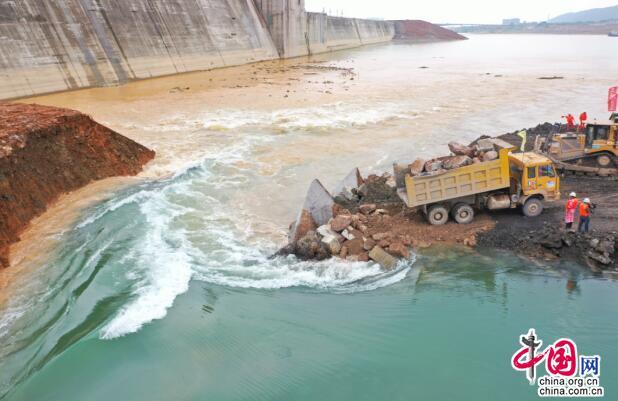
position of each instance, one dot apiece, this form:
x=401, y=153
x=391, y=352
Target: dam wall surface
x=326, y=33
x=57, y=45
x=296, y=32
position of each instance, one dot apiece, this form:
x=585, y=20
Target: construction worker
x=571, y=207
x=570, y=121
x=584, y=215
x=582, y=120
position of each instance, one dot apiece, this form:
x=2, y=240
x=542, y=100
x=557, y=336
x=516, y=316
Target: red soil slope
x=423, y=31
x=47, y=151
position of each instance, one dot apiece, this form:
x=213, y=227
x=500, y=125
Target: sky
x=455, y=11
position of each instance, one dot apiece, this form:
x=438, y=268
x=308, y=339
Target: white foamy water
x=194, y=229
x=329, y=116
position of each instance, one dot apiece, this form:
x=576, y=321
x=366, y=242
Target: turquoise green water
x=446, y=331
x=166, y=291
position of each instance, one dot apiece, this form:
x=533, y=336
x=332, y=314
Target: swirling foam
x=331, y=116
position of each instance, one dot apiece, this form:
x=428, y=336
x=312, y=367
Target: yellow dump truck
x=513, y=180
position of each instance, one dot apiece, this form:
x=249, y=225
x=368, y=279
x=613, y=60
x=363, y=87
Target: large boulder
x=331, y=239
x=399, y=250
x=417, y=167
x=485, y=145
x=456, y=162
x=383, y=258
x=433, y=165
x=309, y=247
x=303, y=224
x=489, y=156
x=317, y=210
x=341, y=222
x=355, y=246
x=346, y=187
x=461, y=150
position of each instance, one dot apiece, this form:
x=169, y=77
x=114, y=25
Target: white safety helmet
x=587, y=200
x=573, y=195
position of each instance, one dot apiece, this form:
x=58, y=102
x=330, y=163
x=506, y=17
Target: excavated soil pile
x=47, y=151
x=424, y=31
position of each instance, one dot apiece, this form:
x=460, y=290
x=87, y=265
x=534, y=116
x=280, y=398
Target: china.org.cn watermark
x=568, y=374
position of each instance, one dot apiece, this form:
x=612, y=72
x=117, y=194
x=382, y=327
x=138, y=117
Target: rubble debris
x=341, y=222
x=368, y=208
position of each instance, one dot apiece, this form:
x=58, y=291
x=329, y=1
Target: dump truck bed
x=460, y=182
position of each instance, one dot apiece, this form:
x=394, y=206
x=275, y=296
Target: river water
x=164, y=289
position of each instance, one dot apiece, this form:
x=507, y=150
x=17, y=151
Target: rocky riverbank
x=363, y=219
x=48, y=151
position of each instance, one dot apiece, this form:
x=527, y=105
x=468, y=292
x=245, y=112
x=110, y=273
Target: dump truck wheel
x=463, y=214
x=604, y=160
x=533, y=207
x=437, y=215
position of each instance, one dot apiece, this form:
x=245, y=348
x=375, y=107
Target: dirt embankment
x=48, y=151
x=423, y=31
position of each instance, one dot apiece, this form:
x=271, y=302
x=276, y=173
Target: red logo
x=560, y=357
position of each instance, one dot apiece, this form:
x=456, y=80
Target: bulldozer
x=593, y=151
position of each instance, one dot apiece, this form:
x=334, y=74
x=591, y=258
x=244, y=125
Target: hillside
x=592, y=15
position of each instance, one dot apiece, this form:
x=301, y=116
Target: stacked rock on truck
x=487, y=175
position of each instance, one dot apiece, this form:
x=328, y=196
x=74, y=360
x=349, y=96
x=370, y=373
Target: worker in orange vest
x=570, y=119
x=584, y=215
x=582, y=120
x=571, y=207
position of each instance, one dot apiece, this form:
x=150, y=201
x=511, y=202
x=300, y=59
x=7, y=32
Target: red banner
x=612, y=99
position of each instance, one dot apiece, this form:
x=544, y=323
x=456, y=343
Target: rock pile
x=597, y=251
x=330, y=226
x=346, y=235
x=462, y=155
x=354, y=190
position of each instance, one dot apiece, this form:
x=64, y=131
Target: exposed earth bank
x=48, y=151
x=364, y=219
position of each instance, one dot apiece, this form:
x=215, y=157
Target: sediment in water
x=48, y=151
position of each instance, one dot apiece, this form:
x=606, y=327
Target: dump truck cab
x=536, y=174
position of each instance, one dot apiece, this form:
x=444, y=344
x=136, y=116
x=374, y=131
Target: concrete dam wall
x=300, y=33
x=57, y=45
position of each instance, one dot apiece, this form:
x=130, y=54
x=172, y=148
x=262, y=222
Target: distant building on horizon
x=511, y=21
